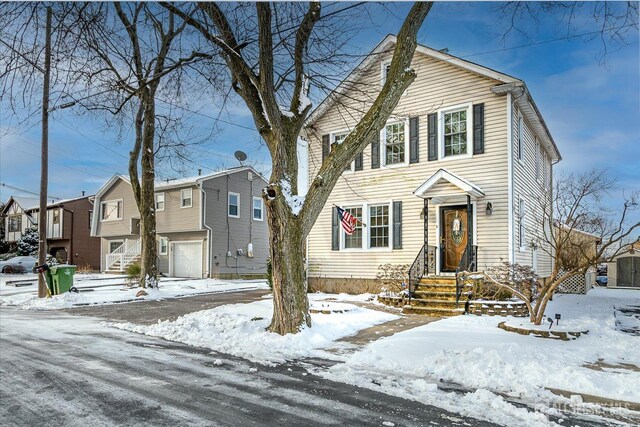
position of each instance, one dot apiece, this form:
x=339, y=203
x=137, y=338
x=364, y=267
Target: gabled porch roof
x=466, y=187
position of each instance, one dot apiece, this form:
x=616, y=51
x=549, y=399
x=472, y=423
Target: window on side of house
x=164, y=246
x=56, y=216
x=379, y=230
x=455, y=133
x=186, y=198
x=521, y=225
x=233, y=205
x=90, y=219
x=15, y=223
x=111, y=210
x=520, y=138
x=395, y=143
x=338, y=138
x=159, y=201
x=538, y=159
x=384, y=72
x=258, y=208
x=354, y=241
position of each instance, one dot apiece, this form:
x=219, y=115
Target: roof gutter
x=522, y=97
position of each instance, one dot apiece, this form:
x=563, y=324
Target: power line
x=22, y=190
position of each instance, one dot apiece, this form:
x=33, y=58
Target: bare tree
x=577, y=206
x=272, y=51
x=131, y=53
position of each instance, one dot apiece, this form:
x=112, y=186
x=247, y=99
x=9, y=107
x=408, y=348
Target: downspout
x=204, y=223
x=511, y=253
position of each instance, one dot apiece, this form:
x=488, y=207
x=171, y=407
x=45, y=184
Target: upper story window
x=15, y=223
x=258, y=208
x=379, y=231
x=354, y=241
x=159, y=201
x=186, y=198
x=56, y=216
x=455, y=133
x=111, y=210
x=233, y=205
x=384, y=72
x=395, y=143
x=90, y=219
x=338, y=138
x=520, y=138
x=538, y=158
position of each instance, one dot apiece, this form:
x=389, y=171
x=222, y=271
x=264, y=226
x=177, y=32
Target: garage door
x=187, y=259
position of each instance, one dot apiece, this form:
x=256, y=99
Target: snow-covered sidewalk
x=99, y=289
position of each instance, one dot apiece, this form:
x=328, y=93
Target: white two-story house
x=463, y=163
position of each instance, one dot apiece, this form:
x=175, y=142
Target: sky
x=590, y=102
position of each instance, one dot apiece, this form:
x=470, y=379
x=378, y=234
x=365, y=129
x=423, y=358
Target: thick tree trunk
x=148, y=263
x=290, y=302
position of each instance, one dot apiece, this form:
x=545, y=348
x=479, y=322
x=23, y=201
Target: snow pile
x=295, y=202
x=472, y=351
x=240, y=330
x=94, y=291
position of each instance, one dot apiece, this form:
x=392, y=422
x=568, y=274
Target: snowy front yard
x=494, y=366
x=98, y=289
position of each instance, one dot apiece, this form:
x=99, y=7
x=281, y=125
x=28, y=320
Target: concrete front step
x=431, y=280
x=435, y=312
x=429, y=294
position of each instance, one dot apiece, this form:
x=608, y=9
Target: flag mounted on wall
x=347, y=220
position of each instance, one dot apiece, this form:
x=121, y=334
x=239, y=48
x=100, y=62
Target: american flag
x=347, y=220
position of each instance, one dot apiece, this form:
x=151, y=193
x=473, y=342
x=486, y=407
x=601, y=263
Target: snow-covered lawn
x=240, y=329
x=495, y=365
x=97, y=289
x=473, y=352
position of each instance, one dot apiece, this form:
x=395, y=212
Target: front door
x=453, y=237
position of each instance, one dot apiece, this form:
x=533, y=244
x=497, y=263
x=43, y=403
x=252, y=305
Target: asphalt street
x=59, y=368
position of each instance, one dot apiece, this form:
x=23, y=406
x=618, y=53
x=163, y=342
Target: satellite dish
x=241, y=156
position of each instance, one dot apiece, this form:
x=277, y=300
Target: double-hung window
x=233, y=205
x=379, y=226
x=337, y=139
x=354, y=241
x=164, y=246
x=395, y=143
x=159, y=201
x=520, y=138
x=455, y=133
x=186, y=198
x=538, y=159
x=258, y=208
x=111, y=210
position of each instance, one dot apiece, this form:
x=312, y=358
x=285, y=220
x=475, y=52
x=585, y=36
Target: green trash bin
x=62, y=278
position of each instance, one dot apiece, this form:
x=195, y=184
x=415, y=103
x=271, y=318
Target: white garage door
x=187, y=259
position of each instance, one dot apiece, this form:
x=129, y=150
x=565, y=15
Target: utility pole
x=44, y=159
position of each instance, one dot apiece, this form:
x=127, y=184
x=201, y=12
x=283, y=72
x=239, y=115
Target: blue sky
x=591, y=107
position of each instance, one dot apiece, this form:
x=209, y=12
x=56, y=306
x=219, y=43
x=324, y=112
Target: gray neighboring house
x=207, y=226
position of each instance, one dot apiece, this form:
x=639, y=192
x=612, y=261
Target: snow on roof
x=193, y=180
x=26, y=203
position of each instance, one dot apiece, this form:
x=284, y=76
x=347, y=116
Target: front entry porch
x=449, y=215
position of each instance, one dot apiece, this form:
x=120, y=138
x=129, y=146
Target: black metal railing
x=416, y=271
x=424, y=264
x=468, y=262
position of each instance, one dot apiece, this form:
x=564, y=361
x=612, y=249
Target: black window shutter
x=375, y=151
x=359, y=162
x=414, y=140
x=335, y=230
x=433, y=136
x=478, y=129
x=326, y=146
x=397, y=225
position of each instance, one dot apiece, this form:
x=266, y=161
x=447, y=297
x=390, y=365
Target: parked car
x=18, y=264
